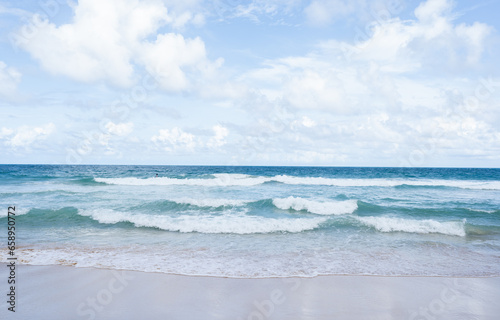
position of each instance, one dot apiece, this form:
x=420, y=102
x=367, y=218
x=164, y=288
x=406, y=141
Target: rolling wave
x=230, y=221
x=18, y=212
x=226, y=179
x=217, y=180
x=326, y=207
x=316, y=207
x=237, y=224
x=386, y=224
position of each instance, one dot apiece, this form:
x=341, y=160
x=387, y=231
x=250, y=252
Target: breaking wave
x=227, y=179
x=386, y=224
x=227, y=223
x=317, y=207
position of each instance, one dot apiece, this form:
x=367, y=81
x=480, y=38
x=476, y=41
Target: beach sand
x=63, y=292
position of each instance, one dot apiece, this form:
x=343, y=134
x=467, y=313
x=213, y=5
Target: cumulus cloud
x=110, y=40
x=178, y=140
x=9, y=80
x=120, y=129
x=431, y=40
x=174, y=139
x=384, y=90
x=26, y=136
x=168, y=58
x=219, y=138
x=377, y=70
x=432, y=10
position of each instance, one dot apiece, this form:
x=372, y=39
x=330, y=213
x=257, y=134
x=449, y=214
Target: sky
x=301, y=82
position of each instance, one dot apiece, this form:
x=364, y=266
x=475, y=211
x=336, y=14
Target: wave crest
x=386, y=224
x=19, y=211
x=231, y=179
x=317, y=207
x=227, y=223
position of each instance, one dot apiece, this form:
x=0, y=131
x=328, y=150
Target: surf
x=228, y=180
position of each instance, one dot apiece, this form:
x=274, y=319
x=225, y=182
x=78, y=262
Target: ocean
x=256, y=222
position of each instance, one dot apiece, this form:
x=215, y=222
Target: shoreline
x=258, y=278
x=55, y=291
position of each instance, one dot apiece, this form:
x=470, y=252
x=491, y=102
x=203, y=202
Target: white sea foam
x=335, y=181
x=230, y=179
x=317, y=207
x=219, y=180
x=19, y=211
x=226, y=223
x=386, y=224
x=214, y=203
x=464, y=184
x=201, y=260
x=483, y=211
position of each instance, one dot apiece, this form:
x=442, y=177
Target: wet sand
x=63, y=292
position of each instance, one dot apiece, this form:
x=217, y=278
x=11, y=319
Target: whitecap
x=387, y=224
x=232, y=179
x=317, y=207
x=226, y=223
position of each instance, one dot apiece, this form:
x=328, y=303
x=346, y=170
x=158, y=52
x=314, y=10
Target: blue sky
x=321, y=82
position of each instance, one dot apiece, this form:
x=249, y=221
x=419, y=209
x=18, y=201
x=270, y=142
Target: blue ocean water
x=257, y=221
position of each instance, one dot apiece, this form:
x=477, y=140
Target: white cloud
x=308, y=122
x=120, y=129
x=385, y=93
x=14, y=11
x=9, y=80
x=25, y=136
x=313, y=88
x=178, y=140
x=312, y=82
x=169, y=56
x=5, y=132
x=256, y=11
x=109, y=40
x=174, y=139
x=321, y=12
x=324, y=12
x=219, y=138
x=378, y=73
x=476, y=35
x=432, y=10
x=431, y=40
x=302, y=122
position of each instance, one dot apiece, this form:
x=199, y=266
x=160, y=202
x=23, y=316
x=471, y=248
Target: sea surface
x=256, y=222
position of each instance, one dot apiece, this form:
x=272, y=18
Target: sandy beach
x=63, y=292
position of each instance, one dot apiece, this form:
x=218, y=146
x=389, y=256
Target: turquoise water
x=257, y=221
